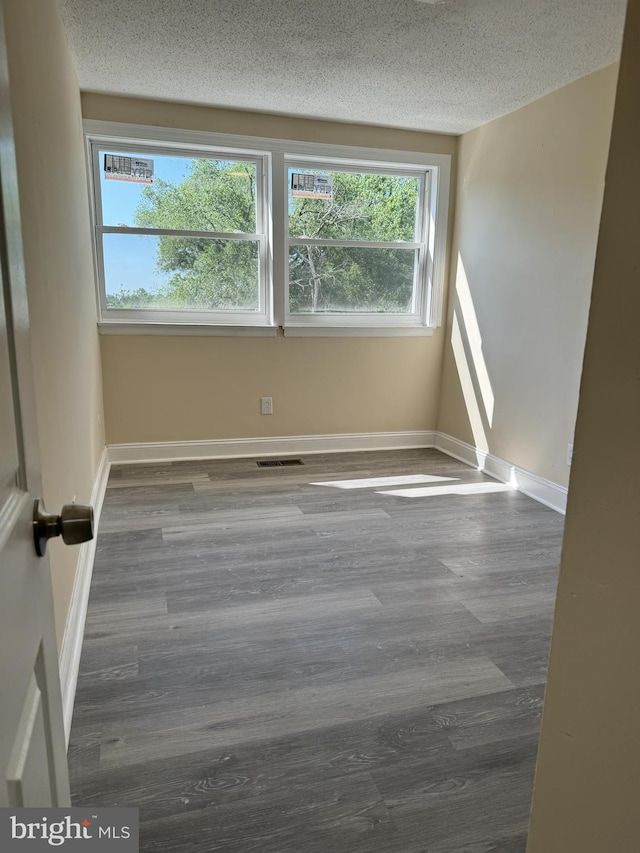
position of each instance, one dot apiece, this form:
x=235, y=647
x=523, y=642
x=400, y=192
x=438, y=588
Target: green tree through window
x=217, y=274
x=364, y=207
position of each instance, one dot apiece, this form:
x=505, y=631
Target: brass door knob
x=74, y=524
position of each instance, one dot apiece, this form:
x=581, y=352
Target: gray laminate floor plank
x=277, y=666
x=472, y=797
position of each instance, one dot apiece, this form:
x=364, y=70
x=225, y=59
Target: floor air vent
x=279, y=463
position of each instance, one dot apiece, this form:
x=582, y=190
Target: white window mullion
x=280, y=227
x=265, y=305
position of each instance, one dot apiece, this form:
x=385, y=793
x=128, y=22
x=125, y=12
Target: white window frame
x=263, y=316
x=276, y=156
x=417, y=316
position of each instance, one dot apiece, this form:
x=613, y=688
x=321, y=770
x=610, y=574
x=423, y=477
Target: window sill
x=210, y=330
x=192, y=329
x=358, y=331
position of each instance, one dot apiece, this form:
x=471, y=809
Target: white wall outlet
x=266, y=405
x=569, y=453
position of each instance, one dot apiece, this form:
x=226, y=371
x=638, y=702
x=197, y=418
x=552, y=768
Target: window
x=356, y=244
x=233, y=233
x=180, y=237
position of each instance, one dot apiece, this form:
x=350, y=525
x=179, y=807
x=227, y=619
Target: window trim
x=417, y=317
x=276, y=152
x=262, y=317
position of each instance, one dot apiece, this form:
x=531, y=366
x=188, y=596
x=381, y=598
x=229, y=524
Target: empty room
x=314, y=536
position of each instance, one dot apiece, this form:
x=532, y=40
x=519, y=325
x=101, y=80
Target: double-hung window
x=180, y=236
x=356, y=244
x=231, y=234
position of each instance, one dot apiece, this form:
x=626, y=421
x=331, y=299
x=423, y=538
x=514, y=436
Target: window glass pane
x=352, y=206
x=181, y=273
x=328, y=279
x=183, y=193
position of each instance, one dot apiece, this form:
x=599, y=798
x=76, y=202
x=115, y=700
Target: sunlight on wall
x=468, y=389
x=474, y=340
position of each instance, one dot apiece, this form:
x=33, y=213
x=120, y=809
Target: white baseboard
x=545, y=491
x=282, y=445
x=74, y=629
x=460, y=450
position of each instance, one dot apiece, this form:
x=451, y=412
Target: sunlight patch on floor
x=457, y=489
x=378, y=482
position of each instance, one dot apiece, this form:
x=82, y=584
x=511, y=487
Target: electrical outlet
x=569, y=453
x=266, y=405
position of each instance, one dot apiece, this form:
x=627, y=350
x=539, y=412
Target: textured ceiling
x=443, y=66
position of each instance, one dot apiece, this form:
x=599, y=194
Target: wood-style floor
x=274, y=666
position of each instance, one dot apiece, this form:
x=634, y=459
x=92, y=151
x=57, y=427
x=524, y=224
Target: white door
x=32, y=746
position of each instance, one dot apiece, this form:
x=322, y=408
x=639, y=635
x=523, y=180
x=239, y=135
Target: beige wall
x=169, y=389
x=588, y=776
x=192, y=117
x=528, y=204
x=190, y=388
x=59, y=267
